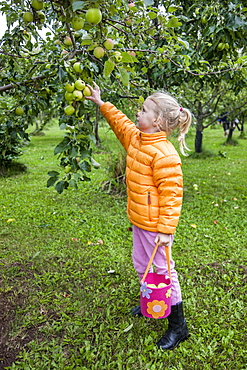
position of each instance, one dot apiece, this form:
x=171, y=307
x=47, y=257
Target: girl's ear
x=157, y=122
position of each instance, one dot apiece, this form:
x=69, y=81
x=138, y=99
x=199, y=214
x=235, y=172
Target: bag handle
x=168, y=260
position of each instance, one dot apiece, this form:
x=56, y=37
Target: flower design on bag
x=145, y=290
x=157, y=308
x=168, y=293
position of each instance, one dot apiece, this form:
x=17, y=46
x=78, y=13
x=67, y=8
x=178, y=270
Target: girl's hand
x=163, y=239
x=95, y=97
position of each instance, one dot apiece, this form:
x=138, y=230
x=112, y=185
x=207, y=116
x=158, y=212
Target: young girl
x=154, y=187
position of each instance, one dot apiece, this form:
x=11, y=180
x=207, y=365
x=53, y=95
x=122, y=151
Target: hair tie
x=181, y=109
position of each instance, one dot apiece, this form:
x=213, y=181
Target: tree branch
x=11, y=86
x=240, y=106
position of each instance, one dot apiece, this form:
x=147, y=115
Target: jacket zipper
x=149, y=206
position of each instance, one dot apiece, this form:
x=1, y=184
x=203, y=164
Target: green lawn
x=67, y=281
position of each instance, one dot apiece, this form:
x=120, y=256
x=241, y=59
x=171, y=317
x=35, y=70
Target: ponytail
x=185, y=119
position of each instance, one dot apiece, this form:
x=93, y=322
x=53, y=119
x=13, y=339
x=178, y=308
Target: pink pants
x=143, y=245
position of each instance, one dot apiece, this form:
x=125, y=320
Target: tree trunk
x=229, y=137
x=198, y=140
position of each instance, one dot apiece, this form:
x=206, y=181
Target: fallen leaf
x=194, y=226
x=10, y=220
x=128, y=328
x=66, y=295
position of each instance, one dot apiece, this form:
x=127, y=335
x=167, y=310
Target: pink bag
x=155, y=298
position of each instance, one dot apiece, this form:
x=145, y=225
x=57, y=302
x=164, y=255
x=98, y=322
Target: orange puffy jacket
x=153, y=174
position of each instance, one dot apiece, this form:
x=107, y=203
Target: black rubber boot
x=136, y=311
x=177, y=330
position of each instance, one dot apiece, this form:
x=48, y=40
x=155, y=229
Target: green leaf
x=60, y=186
x=85, y=166
x=127, y=58
x=81, y=136
x=174, y=22
x=108, y=67
x=73, y=183
x=77, y=5
x=61, y=73
x=124, y=76
x=86, y=40
x=242, y=59
x=172, y=9
x=3, y=105
x=184, y=43
x=152, y=15
x=62, y=146
x=51, y=181
x=53, y=173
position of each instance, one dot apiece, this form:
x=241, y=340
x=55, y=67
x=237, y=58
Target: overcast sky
x=2, y=24
x=3, y=27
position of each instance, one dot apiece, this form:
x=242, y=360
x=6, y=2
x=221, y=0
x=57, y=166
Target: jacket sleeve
x=167, y=174
x=121, y=125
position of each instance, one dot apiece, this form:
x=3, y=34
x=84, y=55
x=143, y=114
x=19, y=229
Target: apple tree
x=52, y=49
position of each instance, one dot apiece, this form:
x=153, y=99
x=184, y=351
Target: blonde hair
x=171, y=115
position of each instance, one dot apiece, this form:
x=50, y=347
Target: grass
x=67, y=281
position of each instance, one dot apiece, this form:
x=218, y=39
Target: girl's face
x=147, y=118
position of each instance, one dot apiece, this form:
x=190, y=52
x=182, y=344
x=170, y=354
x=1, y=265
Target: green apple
x=28, y=17
x=19, y=111
x=69, y=87
x=221, y=46
x=77, y=67
x=69, y=110
x=80, y=85
x=118, y=56
x=37, y=4
x=132, y=53
x=67, y=41
x=77, y=95
x=109, y=44
x=77, y=23
x=99, y=52
x=67, y=168
x=93, y=15
x=87, y=91
x=68, y=96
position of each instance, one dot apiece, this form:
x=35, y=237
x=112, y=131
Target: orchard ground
x=67, y=280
